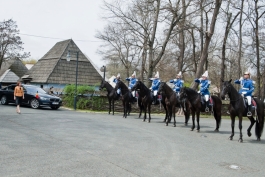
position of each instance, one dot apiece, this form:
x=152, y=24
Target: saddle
x=253, y=103
x=203, y=101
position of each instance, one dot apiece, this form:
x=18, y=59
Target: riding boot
x=156, y=102
x=249, y=110
x=118, y=96
x=207, y=106
x=153, y=100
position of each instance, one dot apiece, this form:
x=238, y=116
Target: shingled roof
x=15, y=65
x=9, y=77
x=54, y=68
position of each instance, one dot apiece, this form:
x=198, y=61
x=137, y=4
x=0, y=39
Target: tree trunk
x=240, y=41
x=182, y=37
x=222, y=78
x=209, y=34
x=257, y=48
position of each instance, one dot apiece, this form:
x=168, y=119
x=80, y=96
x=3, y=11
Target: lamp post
x=68, y=58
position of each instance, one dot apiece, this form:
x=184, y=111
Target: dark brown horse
x=126, y=97
x=171, y=101
x=238, y=108
x=196, y=106
x=112, y=95
x=145, y=99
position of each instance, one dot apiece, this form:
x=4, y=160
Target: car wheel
x=34, y=103
x=4, y=100
x=54, y=108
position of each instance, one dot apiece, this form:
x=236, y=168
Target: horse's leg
x=193, y=120
x=112, y=106
x=109, y=105
x=240, y=129
x=232, y=126
x=217, y=116
x=124, y=109
x=198, y=120
x=149, y=111
x=165, y=107
x=169, y=111
x=129, y=108
x=174, y=114
x=140, y=107
x=252, y=122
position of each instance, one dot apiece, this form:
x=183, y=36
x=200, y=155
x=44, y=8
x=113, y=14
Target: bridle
x=227, y=89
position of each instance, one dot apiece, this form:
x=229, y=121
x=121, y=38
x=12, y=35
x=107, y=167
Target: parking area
x=45, y=142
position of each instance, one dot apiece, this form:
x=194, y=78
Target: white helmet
x=157, y=74
x=118, y=75
x=179, y=74
x=205, y=74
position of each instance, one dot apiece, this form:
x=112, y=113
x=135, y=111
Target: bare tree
x=208, y=35
x=10, y=42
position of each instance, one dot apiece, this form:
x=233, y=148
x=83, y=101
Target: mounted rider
x=155, y=86
x=178, y=83
x=204, y=88
x=132, y=81
x=116, y=80
x=247, y=88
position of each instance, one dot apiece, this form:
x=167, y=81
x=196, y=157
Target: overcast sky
x=63, y=19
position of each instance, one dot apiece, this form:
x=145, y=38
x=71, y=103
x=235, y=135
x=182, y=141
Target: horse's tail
x=260, y=118
x=217, y=109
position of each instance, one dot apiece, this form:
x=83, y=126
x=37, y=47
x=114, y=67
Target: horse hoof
x=249, y=134
x=240, y=140
x=216, y=130
x=143, y=120
x=186, y=124
x=198, y=130
x=149, y=121
x=174, y=125
x=258, y=139
x=230, y=138
x=191, y=129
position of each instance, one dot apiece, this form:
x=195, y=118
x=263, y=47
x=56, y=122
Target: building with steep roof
x=11, y=71
x=54, y=70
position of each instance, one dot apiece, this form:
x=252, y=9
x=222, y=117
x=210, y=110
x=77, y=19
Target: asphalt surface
x=62, y=142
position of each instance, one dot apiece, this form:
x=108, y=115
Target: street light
x=68, y=58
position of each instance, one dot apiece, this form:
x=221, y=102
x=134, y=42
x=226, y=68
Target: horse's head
x=183, y=93
x=102, y=85
x=137, y=86
x=226, y=88
x=117, y=86
x=161, y=88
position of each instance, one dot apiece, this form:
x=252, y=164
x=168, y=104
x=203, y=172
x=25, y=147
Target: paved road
x=66, y=143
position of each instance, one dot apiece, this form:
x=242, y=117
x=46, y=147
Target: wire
x=55, y=38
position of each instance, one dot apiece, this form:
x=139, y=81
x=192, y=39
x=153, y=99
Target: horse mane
x=142, y=84
x=190, y=90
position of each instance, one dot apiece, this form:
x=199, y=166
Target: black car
x=33, y=96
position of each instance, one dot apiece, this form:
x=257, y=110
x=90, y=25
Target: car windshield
x=34, y=89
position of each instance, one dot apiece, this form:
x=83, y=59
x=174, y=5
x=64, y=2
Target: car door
x=10, y=93
x=27, y=95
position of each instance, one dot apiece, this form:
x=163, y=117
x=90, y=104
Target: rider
x=247, y=87
x=204, y=88
x=178, y=83
x=116, y=80
x=155, y=86
x=132, y=82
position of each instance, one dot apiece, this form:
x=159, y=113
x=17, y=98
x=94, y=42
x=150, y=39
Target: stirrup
x=249, y=113
x=206, y=109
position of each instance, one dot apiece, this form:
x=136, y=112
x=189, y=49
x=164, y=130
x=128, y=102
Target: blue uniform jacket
x=204, y=86
x=155, y=83
x=116, y=80
x=132, y=82
x=246, y=86
x=178, y=84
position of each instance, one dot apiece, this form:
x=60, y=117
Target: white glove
x=199, y=91
x=241, y=78
x=244, y=93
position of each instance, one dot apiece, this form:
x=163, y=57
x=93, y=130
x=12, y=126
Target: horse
x=126, y=98
x=112, y=95
x=171, y=101
x=196, y=106
x=145, y=99
x=238, y=108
